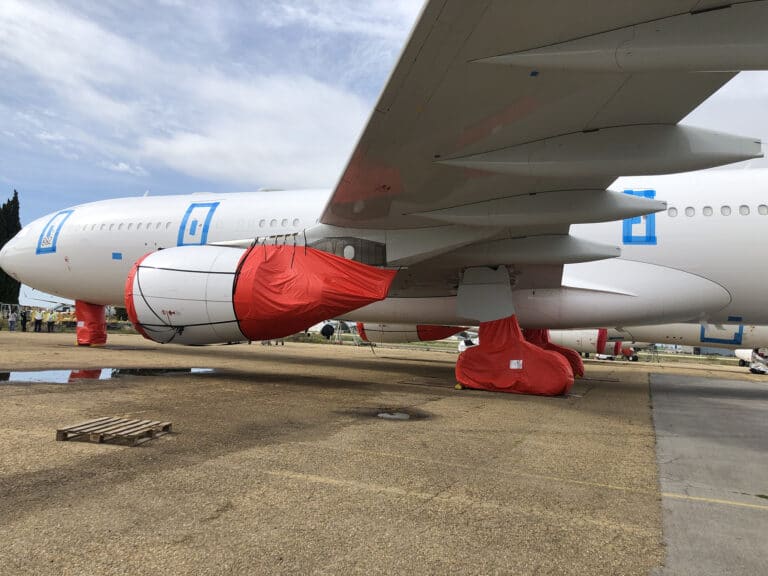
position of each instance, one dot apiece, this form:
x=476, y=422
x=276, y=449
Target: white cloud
x=107, y=97
x=126, y=168
x=274, y=131
x=375, y=18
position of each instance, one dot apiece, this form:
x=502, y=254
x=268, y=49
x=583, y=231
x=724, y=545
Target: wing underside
x=505, y=121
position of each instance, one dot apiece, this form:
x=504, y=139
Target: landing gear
x=540, y=337
x=504, y=361
x=91, y=324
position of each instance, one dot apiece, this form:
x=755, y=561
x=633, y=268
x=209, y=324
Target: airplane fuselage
x=85, y=252
x=696, y=262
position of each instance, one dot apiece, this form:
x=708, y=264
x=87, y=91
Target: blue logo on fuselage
x=194, y=226
x=649, y=236
x=738, y=334
x=49, y=237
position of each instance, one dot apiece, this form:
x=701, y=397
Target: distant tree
x=10, y=224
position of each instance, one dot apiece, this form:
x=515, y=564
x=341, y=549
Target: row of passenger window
x=128, y=226
x=159, y=225
x=725, y=210
x=283, y=223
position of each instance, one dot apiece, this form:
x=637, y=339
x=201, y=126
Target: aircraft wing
x=516, y=115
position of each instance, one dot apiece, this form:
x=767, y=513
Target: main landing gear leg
x=505, y=362
x=91, y=324
x=540, y=337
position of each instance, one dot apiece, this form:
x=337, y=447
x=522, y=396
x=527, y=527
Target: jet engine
x=402, y=333
x=210, y=294
x=583, y=341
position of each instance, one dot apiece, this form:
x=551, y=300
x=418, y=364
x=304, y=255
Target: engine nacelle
x=583, y=341
x=209, y=294
x=402, y=333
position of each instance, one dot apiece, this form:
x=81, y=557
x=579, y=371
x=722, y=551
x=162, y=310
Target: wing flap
x=440, y=103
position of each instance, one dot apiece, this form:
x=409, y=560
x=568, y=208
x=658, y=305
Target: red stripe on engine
x=602, y=340
x=130, y=308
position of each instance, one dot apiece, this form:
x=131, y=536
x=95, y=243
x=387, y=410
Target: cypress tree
x=10, y=224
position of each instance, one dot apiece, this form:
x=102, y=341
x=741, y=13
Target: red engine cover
x=281, y=290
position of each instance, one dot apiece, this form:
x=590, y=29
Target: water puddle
x=398, y=414
x=67, y=376
x=401, y=413
x=394, y=415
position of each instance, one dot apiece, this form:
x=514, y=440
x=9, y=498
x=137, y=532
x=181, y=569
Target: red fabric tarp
x=91, y=324
x=428, y=332
x=540, y=337
x=505, y=362
x=282, y=290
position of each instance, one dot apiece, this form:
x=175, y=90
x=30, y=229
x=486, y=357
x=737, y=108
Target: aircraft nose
x=9, y=257
x=3, y=254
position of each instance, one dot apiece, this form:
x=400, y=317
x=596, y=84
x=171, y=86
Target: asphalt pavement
x=712, y=451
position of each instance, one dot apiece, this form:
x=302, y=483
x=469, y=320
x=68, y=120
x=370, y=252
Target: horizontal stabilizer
x=549, y=208
x=723, y=40
x=626, y=150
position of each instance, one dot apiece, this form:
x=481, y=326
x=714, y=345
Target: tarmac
x=280, y=464
x=712, y=446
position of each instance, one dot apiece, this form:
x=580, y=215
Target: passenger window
x=284, y=223
x=762, y=210
x=690, y=211
x=262, y=223
x=102, y=227
x=707, y=211
x=744, y=210
x=672, y=212
x=130, y=225
x=167, y=225
x=273, y=223
x=296, y=222
x=158, y=225
x=120, y=226
x=93, y=227
x=725, y=210
x=138, y=226
x=111, y=227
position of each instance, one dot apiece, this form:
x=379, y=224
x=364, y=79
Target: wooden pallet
x=117, y=430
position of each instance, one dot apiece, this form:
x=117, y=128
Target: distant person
x=50, y=320
x=24, y=317
x=12, y=321
x=38, y=321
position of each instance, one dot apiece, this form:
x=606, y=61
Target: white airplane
x=96, y=245
x=477, y=194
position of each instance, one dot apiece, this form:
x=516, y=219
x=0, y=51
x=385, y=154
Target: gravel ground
x=279, y=465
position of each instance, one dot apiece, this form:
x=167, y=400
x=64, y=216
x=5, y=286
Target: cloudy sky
x=117, y=97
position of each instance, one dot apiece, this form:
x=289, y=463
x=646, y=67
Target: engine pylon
x=540, y=337
x=505, y=362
